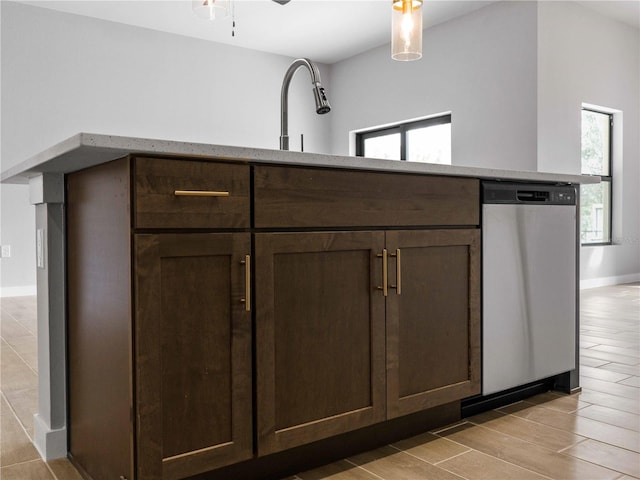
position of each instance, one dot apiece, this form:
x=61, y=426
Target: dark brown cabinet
x=190, y=194
x=357, y=327
x=433, y=318
x=99, y=321
x=223, y=312
x=286, y=197
x=193, y=343
x=160, y=335
x=311, y=334
x=319, y=336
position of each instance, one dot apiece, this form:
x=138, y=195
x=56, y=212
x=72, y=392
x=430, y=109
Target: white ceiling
x=626, y=11
x=326, y=31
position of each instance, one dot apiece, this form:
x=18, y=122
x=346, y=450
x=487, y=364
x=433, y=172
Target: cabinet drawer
x=190, y=194
x=308, y=197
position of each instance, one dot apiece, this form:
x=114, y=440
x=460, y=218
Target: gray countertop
x=87, y=149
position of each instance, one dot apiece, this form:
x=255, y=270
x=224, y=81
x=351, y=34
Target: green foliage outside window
x=595, y=211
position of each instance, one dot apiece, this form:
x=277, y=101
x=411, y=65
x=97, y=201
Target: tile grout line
x=613, y=469
x=13, y=412
x=435, y=464
x=612, y=407
x=604, y=369
x=528, y=441
x=609, y=393
x=568, y=431
x=542, y=405
x=622, y=380
x=448, y=427
x=12, y=409
x=512, y=464
x=19, y=323
x=454, y=456
x=581, y=435
x=497, y=458
x=19, y=356
x=22, y=463
x=359, y=466
x=562, y=450
x=425, y=461
x=53, y=474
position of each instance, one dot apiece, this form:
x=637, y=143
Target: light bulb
x=407, y=28
x=406, y=36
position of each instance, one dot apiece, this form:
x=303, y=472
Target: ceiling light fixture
x=211, y=9
x=406, y=30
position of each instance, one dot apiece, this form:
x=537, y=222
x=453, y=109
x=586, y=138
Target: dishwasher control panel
x=531, y=194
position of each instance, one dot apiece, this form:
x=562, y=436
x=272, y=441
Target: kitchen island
x=249, y=311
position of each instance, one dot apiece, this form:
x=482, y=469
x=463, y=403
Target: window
x=595, y=200
x=427, y=140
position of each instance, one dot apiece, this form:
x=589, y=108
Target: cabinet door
x=193, y=353
x=319, y=336
x=433, y=319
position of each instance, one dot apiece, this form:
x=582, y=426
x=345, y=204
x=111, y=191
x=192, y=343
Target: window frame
x=603, y=179
x=402, y=129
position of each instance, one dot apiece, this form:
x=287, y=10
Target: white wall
x=17, y=217
x=513, y=74
x=587, y=58
x=63, y=74
x=17, y=221
x=481, y=67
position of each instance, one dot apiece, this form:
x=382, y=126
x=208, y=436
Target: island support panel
x=46, y=192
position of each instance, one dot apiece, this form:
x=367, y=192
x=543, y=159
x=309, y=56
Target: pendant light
x=211, y=9
x=406, y=30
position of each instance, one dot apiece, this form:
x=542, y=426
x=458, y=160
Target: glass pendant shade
x=406, y=30
x=210, y=9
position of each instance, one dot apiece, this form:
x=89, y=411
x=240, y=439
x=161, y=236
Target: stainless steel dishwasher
x=529, y=283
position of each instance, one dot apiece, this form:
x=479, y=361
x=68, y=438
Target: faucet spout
x=322, y=104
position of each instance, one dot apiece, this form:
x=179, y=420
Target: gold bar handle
x=398, y=285
x=385, y=265
x=200, y=193
x=247, y=283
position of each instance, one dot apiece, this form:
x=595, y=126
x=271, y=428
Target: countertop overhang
x=85, y=150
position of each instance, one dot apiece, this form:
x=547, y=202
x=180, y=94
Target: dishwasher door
x=529, y=293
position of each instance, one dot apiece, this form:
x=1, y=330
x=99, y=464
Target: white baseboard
x=24, y=291
x=606, y=281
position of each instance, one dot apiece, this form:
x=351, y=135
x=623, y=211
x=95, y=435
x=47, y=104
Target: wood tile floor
x=587, y=436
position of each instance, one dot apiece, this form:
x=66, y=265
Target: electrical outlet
x=6, y=251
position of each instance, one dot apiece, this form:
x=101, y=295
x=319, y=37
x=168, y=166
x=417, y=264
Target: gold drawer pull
x=398, y=285
x=247, y=283
x=384, y=286
x=199, y=193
